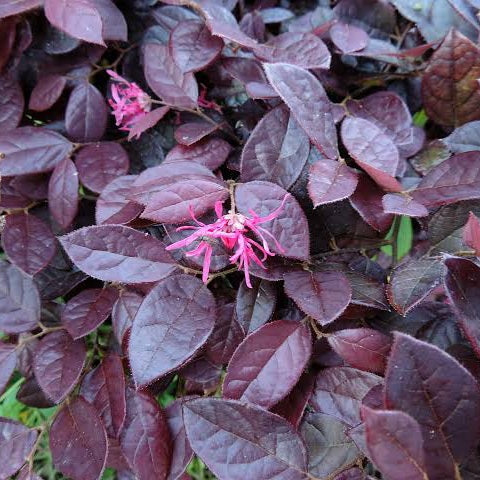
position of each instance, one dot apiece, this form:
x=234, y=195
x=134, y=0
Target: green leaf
x=404, y=237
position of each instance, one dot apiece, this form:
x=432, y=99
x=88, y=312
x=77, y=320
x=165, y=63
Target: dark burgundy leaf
x=252, y=441
x=352, y=474
x=104, y=388
x=328, y=447
x=372, y=150
x=255, y=306
x=201, y=375
x=193, y=47
x=348, y=38
x=339, y=391
x=282, y=350
x=12, y=7
x=11, y=102
x=179, y=303
x=402, y=204
x=308, y=101
x=124, y=312
x=145, y=438
x=276, y=150
x=88, y=310
x=147, y=121
x=471, y=233
x=330, y=181
x=114, y=253
x=32, y=186
x=114, y=26
x=86, y=114
x=47, y=91
x=290, y=227
x=8, y=360
x=63, y=193
x=166, y=79
x=443, y=404
x=28, y=242
x=10, y=196
x=362, y=348
x=58, y=363
x=190, y=133
x=412, y=281
x=101, y=163
x=322, y=295
x=78, y=441
x=31, y=150
x=16, y=443
x=19, y=300
x=32, y=395
x=395, y=444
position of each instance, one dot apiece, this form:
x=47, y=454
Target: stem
x=44, y=331
x=341, y=251
x=212, y=276
x=231, y=189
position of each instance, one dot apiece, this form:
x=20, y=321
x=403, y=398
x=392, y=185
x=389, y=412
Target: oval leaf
x=47, y=91
x=8, y=361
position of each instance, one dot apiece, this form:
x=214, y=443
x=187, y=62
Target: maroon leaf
x=322, y=295
x=339, y=391
x=352, y=474
x=8, y=360
x=86, y=114
x=179, y=303
x=58, y=363
x=12, y=7
x=176, y=200
x=31, y=150
x=255, y=434
x=101, y=163
x=395, y=444
x=193, y=47
x=104, y=388
x=401, y=204
x=276, y=150
x=166, y=79
x=330, y=181
x=88, y=310
x=32, y=186
x=114, y=253
x=283, y=349
x=28, y=242
x=362, y=348
x=63, y=193
x=124, y=312
x=290, y=227
x=113, y=21
x=11, y=102
x=16, y=443
x=443, y=404
x=47, y=91
x=147, y=121
x=348, y=38
x=308, y=101
x=191, y=133
x=78, y=441
x=328, y=447
x=412, y=281
x=145, y=438
x=19, y=300
x=471, y=233
x=372, y=150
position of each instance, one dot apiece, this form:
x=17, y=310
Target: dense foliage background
x=319, y=317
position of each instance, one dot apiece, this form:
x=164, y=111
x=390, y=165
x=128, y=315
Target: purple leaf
x=28, y=242
x=401, y=204
x=104, y=388
x=308, y=101
x=352, y=474
x=362, y=348
x=63, y=193
x=78, y=441
x=19, y=300
x=193, y=47
x=441, y=395
x=31, y=150
x=32, y=186
x=88, y=310
x=348, y=38
x=114, y=26
x=147, y=121
x=101, y=163
x=114, y=253
x=86, y=114
x=190, y=133
x=372, y=150
x=220, y=431
x=145, y=438
x=395, y=444
x=47, y=91
x=12, y=7
x=471, y=233
x=201, y=375
x=124, y=312
x=322, y=295
x=282, y=350
x=412, y=281
x=276, y=14
x=290, y=227
x=330, y=181
x=339, y=391
x=166, y=79
x=276, y=150
x=58, y=363
x=16, y=443
x=179, y=303
x=8, y=360
x=11, y=102
x=328, y=447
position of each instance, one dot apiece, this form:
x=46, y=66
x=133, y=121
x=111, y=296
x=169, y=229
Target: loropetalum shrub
x=242, y=231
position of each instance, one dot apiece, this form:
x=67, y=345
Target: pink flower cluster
x=129, y=102
x=232, y=230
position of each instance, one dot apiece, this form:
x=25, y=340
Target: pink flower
x=232, y=230
x=129, y=102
